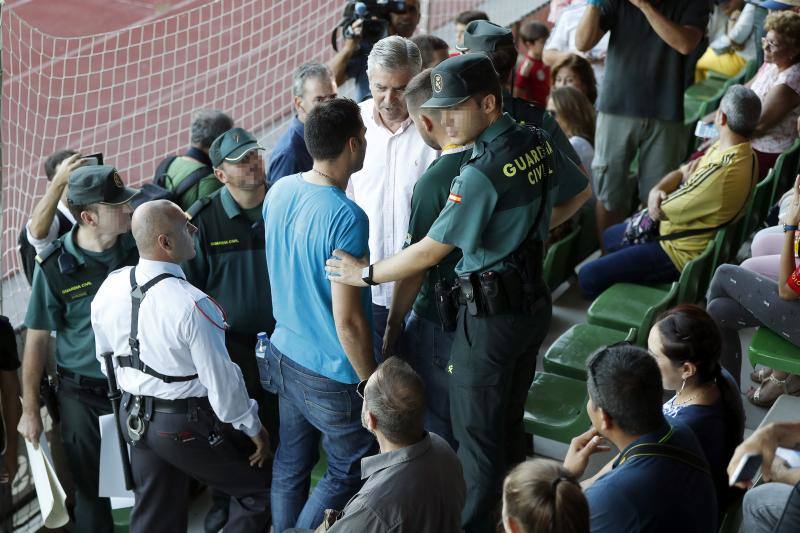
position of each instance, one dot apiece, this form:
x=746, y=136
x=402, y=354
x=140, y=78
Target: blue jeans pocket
x=327, y=408
x=264, y=375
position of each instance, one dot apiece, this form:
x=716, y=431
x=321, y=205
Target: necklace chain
x=331, y=179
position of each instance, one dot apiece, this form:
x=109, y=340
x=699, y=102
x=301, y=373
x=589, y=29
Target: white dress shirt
x=383, y=188
x=180, y=333
x=562, y=38
x=52, y=231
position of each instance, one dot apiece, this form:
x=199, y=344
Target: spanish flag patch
x=455, y=198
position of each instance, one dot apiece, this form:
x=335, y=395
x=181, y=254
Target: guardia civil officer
x=514, y=188
x=185, y=408
x=230, y=266
x=482, y=36
x=66, y=278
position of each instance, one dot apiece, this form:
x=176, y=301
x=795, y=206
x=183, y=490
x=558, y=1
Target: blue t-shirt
x=303, y=224
x=655, y=494
x=290, y=154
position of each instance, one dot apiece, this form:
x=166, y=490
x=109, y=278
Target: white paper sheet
x=48, y=489
x=112, y=478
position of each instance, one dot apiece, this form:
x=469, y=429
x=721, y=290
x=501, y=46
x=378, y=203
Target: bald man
x=184, y=409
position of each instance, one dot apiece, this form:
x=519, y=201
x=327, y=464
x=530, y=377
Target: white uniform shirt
x=383, y=188
x=52, y=232
x=180, y=334
x=562, y=38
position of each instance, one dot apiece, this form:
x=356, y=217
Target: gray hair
x=395, y=53
x=307, y=71
x=396, y=399
x=207, y=125
x=742, y=107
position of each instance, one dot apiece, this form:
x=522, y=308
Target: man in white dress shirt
x=179, y=382
x=396, y=157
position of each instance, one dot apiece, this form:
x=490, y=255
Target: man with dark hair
x=415, y=485
x=498, y=43
x=207, y=125
x=427, y=335
x=499, y=210
x=229, y=265
x=312, y=84
x=50, y=218
x=432, y=49
x=660, y=462
x=67, y=276
x=464, y=18
x=322, y=344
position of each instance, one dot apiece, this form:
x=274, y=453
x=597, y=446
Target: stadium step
x=568, y=354
x=771, y=350
x=556, y=407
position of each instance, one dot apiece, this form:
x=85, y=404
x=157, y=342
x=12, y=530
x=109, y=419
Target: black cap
x=485, y=36
x=98, y=184
x=456, y=79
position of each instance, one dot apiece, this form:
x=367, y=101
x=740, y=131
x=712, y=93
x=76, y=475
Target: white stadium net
x=130, y=93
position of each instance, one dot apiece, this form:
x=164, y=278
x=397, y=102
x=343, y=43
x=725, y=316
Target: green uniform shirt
x=494, y=201
x=427, y=201
x=61, y=301
x=179, y=169
x=230, y=264
x=527, y=114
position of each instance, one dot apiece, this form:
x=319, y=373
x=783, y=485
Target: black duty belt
x=83, y=382
x=495, y=293
x=177, y=406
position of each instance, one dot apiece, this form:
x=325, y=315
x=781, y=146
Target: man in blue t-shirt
x=660, y=481
x=322, y=344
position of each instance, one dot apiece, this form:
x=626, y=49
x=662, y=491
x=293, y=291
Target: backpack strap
x=160, y=176
x=133, y=361
x=660, y=449
x=191, y=180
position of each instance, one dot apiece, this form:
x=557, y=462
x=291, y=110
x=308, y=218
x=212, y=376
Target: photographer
x=351, y=60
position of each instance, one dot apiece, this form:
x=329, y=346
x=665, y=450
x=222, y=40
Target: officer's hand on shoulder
x=263, y=451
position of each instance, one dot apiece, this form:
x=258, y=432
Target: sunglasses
x=598, y=400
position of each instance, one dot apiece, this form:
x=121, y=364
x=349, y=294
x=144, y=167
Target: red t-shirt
x=532, y=80
x=794, y=281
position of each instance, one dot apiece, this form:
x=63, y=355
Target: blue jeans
x=633, y=263
x=426, y=347
x=380, y=315
x=313, y=406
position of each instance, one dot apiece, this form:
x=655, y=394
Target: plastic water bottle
x=261, y=345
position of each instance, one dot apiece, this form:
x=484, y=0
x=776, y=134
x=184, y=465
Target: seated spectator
x=464, y=18
x=415, y=484
x=764, y=505
x=50, y=218
x=433, y=49
x=739, y=298
x=541, y=496
x=561, y=43
x=777, y=84
x=577, y=72
x=651, y=486
x=732, y=39
x=312, y=84
x=689, y=204
x=576, y=116
x=532, y=77
x=686, y=344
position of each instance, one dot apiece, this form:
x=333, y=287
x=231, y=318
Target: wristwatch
x=366, y=275
x=786, y=227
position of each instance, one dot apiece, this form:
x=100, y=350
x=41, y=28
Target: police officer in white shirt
x=184, y=407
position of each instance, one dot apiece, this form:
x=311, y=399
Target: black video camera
x=375, y=16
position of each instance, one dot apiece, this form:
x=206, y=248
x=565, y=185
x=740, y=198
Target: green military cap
x=456, y=79
x=232, y=146
x=98, y=184
x=485, y=36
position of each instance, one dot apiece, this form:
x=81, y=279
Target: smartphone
x=747, y=468
x=93, y=159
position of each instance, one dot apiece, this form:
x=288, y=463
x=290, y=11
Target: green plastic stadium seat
x=771, y=350
x=705, y=90
x=556, y=267
x=556, y=407
x=568, y=354
x=122, y=519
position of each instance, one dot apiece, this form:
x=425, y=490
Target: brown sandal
x=755, y=397
x=758, y=376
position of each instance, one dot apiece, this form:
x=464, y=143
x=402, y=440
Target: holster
x=495, y=293
x=446, y=295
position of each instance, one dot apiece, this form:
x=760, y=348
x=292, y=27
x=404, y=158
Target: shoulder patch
x=198, y=206
x=48, y=252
